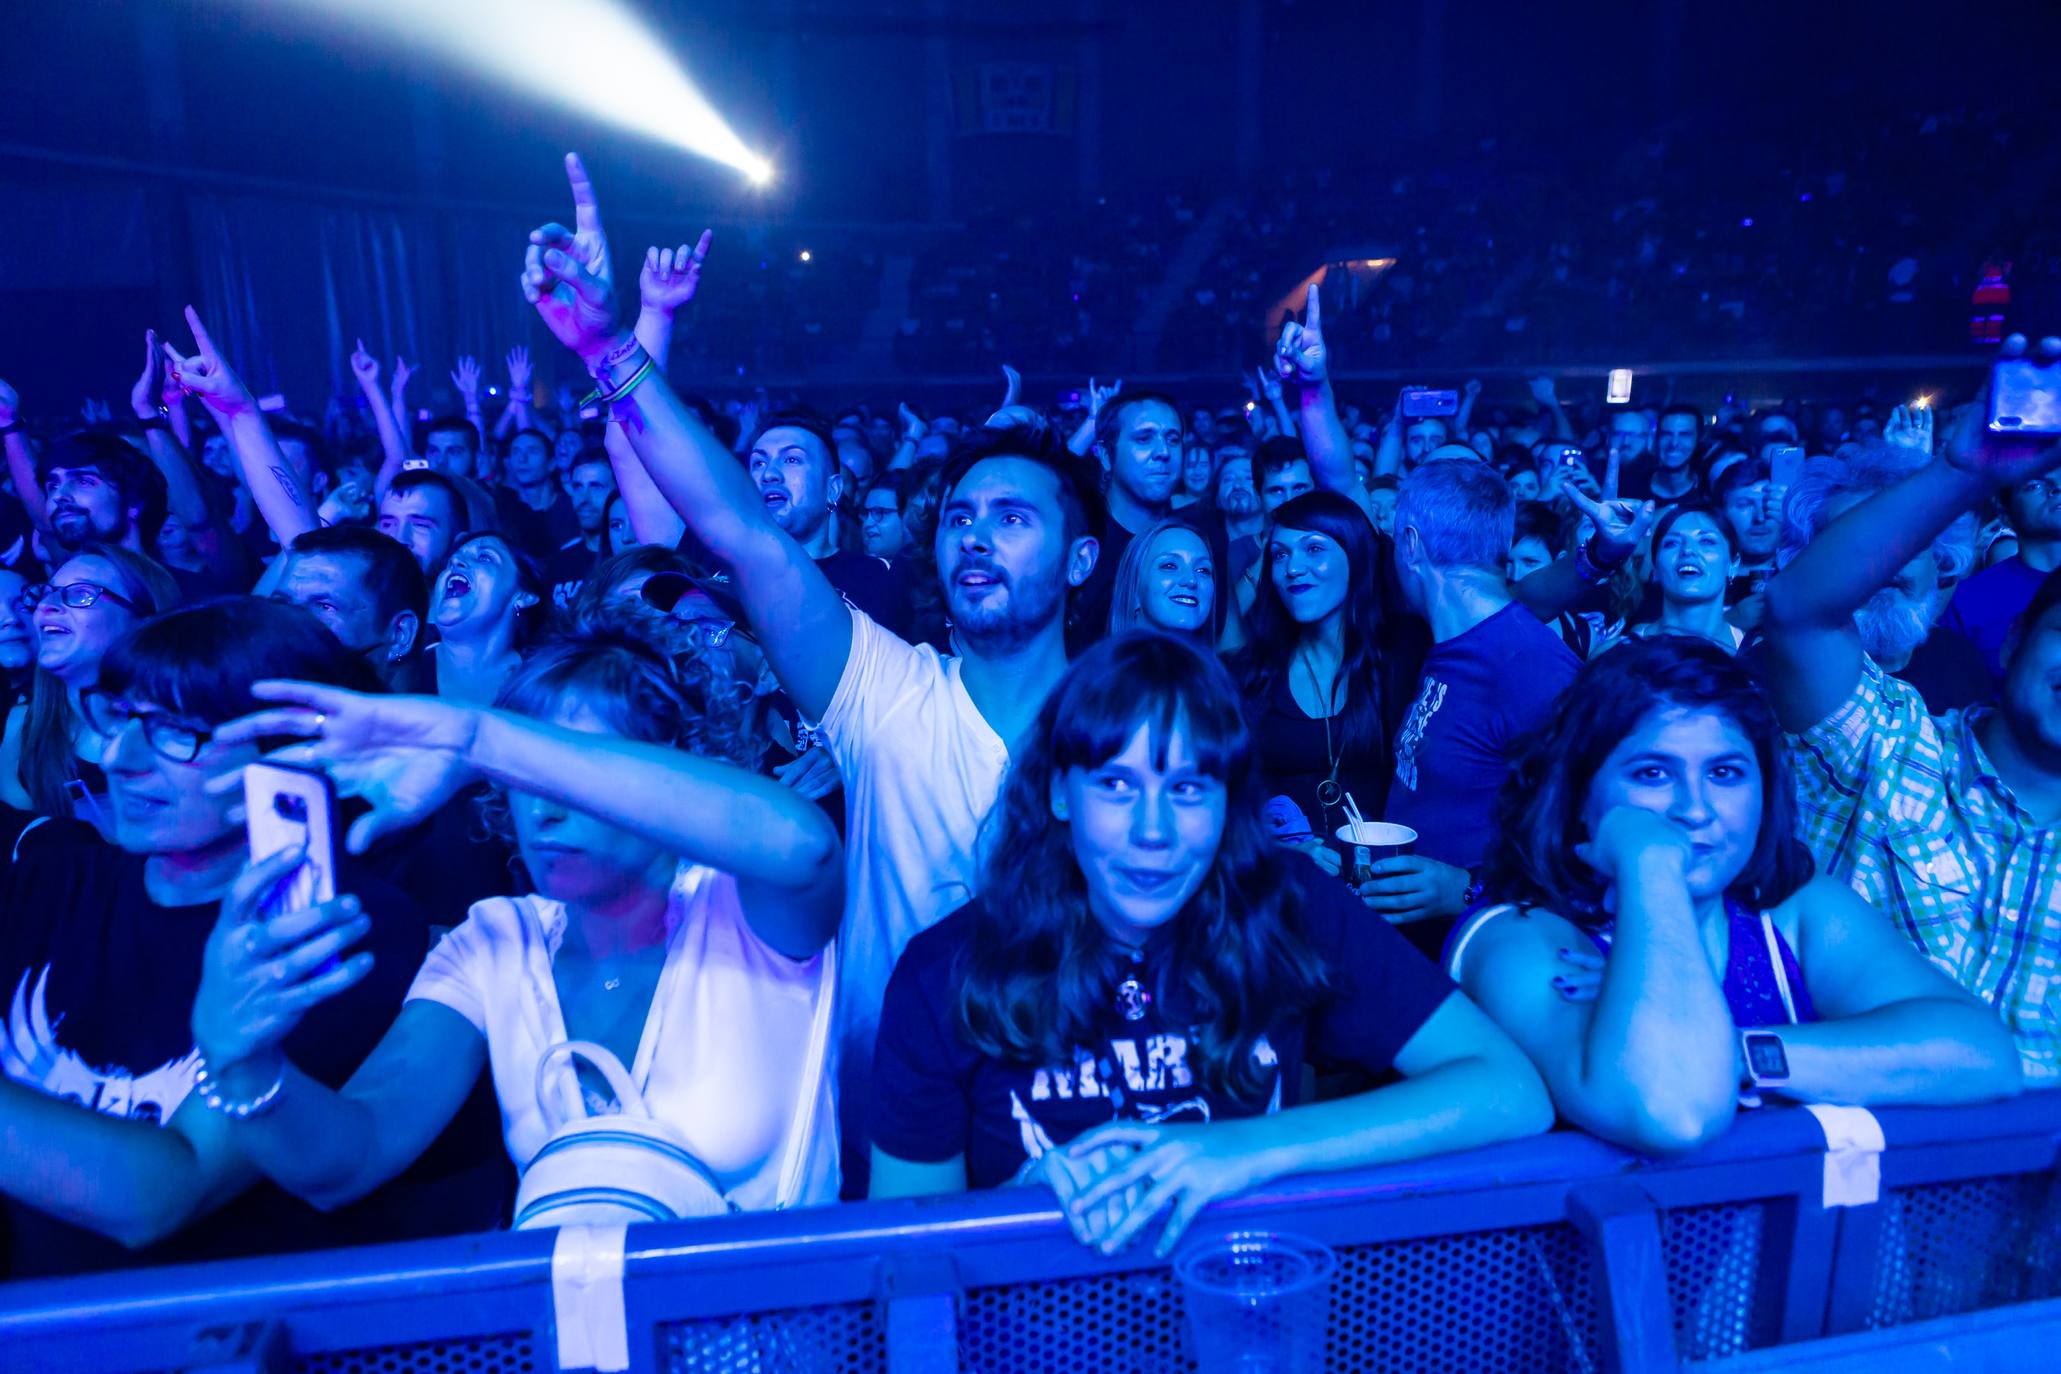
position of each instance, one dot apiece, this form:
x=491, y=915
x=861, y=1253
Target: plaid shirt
x=1905, y=808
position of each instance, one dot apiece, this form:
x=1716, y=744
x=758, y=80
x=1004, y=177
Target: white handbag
x=608, y=1170
x=631, y=1167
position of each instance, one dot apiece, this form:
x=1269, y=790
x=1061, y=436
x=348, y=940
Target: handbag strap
x=1774, y=943
x=627, y=1097
x=816, y=1062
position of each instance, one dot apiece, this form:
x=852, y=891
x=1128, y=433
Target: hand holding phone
x=1785, y=464
x=288, y=808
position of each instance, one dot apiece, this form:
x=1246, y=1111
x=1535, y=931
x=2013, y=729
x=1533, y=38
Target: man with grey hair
x=1898, y=623
x=1492, y=675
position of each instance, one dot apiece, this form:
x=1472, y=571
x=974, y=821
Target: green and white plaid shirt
x=1905, y=808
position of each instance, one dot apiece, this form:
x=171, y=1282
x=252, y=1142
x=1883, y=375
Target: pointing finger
x=586, y=213
x=1313, y=318
x=701, y=244
x=200, y=334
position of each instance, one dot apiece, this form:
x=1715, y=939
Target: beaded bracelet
x=211, y=1096
x=1590, y=571
x=603, y=397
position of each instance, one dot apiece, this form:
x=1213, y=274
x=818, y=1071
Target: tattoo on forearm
x=287, y=485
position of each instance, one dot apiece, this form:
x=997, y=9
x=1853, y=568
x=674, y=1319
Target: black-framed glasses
x=178, y=740
x=77, y=595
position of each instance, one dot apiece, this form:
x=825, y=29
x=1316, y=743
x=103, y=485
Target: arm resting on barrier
x=133, y=1181
x=1466, y=1085
x=1896, y=1029
x=1651, y=1063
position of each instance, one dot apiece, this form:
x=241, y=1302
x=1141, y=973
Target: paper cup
x=1381, y=839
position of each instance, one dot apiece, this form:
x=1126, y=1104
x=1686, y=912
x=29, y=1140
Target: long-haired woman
x=49, y=758
x=1694, y=557
x=1324, y=668
x=1167, y=581
x=1649, y=835
x=1124, y=1010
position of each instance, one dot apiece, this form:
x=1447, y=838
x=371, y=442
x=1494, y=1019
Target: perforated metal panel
x=845, y=1339
x=1960, y=1247
x=1712, y=1255
x=513, y=1353
x=1495, y=1301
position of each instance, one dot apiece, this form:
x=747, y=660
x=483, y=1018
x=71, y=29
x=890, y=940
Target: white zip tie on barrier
x=587, y=1298
x=1853, y=1154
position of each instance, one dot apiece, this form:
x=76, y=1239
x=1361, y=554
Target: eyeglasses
x=171, y=737
x=77, y=595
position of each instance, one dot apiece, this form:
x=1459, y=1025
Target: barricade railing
x=1558, y=1253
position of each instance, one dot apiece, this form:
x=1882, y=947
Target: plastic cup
x=1258, y=1303
x=1373, y=841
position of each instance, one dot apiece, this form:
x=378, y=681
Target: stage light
x=593, y=56
x=805, y=255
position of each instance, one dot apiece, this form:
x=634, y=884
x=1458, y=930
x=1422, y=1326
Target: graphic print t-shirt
x=1482, y=692
x=98, y=982
x=935, y=1097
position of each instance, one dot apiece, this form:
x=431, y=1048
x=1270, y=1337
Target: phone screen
x=293, y=808
x=1785, y=464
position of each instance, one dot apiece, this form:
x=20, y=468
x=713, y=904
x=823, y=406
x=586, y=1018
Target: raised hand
x=519, y=373
x=1100, y=396
x=364, y=366
x=1300, y=356
x=2004, y=459
x=671, y=275
x=1472, y=389
x=1012, y=386
x=206, y=375
x=466, y=378
x=566, y=274
x=1543, y=391
x=1909, y=427
x=402, y=372
x=96, y=411
x=349, y=501
x=1621, y=526
x=913, y=427
x=10, y=404
x=145, y=396
x=1266, y=384
x=403, y=754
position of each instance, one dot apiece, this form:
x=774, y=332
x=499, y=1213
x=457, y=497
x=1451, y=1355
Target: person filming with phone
x=113, y=1129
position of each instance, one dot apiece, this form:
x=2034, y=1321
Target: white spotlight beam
x=593, y=56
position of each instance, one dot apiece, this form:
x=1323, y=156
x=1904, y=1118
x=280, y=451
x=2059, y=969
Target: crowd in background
x=1145, y=796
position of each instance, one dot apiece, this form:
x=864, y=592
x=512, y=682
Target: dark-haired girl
x=1694, y=558
x=1324, y=668
x=1653, y=823
x=1124, y=1011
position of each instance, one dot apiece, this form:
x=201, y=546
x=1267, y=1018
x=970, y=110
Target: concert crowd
x=1140, y=796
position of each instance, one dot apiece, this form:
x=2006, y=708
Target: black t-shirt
x=870, y=584
x=935, y=1097
x=103, y=980
x=567, y=570
x=1949, y=672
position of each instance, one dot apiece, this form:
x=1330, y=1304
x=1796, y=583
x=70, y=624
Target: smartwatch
x=1763, y=1063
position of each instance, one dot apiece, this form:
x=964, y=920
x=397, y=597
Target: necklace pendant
x=1131, y=999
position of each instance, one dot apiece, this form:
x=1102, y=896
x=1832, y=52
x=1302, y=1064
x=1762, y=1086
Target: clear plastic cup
x=1258, y=1303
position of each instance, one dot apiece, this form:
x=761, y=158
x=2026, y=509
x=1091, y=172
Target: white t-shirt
x=728, y=1049
x=921, y=769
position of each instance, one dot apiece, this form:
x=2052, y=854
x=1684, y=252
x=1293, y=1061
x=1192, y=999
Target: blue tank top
x=1752, y=991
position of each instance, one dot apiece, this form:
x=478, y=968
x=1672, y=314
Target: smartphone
x=1620, y=386
x=412, y=464
x=1418, y=403
x=292, y=808
x=274, y=402
x=2024, y=398
x=1571, y=456
x=1785, y=464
